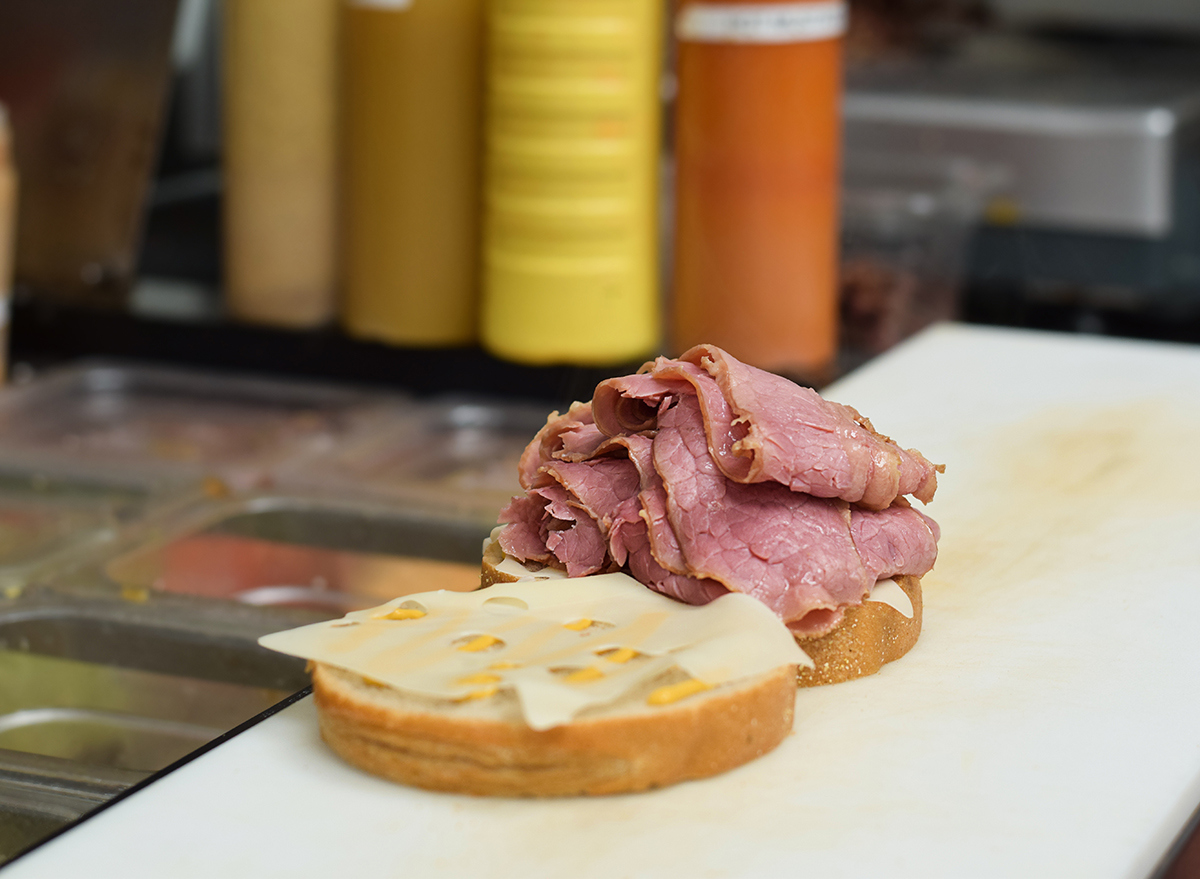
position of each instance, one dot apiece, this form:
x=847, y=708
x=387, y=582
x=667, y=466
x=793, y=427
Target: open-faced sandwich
x=762, y=518
x=550, y=688
x=702, y=475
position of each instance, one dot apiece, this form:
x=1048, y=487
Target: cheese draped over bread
x=560, y=646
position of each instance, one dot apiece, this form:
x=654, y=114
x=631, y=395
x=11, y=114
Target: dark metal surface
x=47, y=334
x=101, y=692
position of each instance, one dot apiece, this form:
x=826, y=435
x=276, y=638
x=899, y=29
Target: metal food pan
x=47, y=521
x=311, y=552
x=100, y=693
x=41, y=795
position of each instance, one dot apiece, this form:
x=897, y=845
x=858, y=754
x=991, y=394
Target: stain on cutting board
x=1069, y=490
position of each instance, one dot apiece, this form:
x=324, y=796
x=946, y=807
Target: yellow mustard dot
x=584, y=675
x=402, y=613
x=481, y=642
x=371, y=682
x=481, y=693
x=674, y=692
x=621, y=654
x=215, y=488
x=578, y=625
x=504, y=665
x=481, y=678
x=1002, y=211
x=135, y=594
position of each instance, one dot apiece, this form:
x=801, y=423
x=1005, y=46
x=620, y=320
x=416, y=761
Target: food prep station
x=1042, y=725
x=155, y=522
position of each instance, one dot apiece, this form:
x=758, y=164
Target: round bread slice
x=869, y=636
x=484, y=746
x=500, y=568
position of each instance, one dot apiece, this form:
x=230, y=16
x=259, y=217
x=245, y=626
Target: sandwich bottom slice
x=485, y=747
x=869, y=636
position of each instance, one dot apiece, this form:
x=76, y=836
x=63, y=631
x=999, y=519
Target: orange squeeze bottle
x=757, y=144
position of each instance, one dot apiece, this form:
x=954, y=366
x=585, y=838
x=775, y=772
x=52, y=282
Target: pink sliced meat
x=898, y=540
x=644, y=568
x=575, y=429
x=566, y=535
x=629, y=404
x=793, y=552
x=607, y=490
x=664, y=544
x=703, y=475
x=812, y=445
x=763, y=428
x=524, y=534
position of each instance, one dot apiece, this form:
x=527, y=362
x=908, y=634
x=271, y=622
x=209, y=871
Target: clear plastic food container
x=906, y=228
x=48, y=521
x=151, y=424
x=309, y=553
x=451, y=457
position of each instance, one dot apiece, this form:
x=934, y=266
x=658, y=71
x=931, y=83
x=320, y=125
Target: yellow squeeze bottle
x=411, y=88
x=571, y=157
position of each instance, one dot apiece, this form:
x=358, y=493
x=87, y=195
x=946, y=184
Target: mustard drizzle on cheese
x=509, y=639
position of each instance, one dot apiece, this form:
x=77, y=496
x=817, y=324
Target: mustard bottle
x=280, y=160
x=411, y=95
x=571, y=158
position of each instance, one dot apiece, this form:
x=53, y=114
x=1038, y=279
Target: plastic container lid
x=449, y=457
x=150, y=424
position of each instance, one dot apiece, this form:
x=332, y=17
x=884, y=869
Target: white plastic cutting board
x=1047, y=724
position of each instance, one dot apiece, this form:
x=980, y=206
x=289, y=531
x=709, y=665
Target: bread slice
x=869, y=636
x=484, y=747
x=532, y=688
x=500, y=568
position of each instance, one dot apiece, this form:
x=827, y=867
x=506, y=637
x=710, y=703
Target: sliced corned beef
x=791, y=551
x=575, y=429
x=606, y=489
x=664, y=544
x=812, y=445
x=567, y=536
x=702, y=474
x=524, y=534
x=898, y=540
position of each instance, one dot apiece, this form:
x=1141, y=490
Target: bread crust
x=435, y=747
x=869, y=636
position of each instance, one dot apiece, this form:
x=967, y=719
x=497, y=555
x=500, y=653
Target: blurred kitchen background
x=484, y=197
x=293, y=283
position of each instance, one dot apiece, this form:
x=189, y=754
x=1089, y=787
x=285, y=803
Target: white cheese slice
x=889, y=592
x=514, y=568
x=884, y=591
x=541, y=636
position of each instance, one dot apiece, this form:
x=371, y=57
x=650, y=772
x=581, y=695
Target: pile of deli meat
x=703, y=474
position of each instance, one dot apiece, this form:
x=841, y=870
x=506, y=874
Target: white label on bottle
x=761, y=22
x=383, y=4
